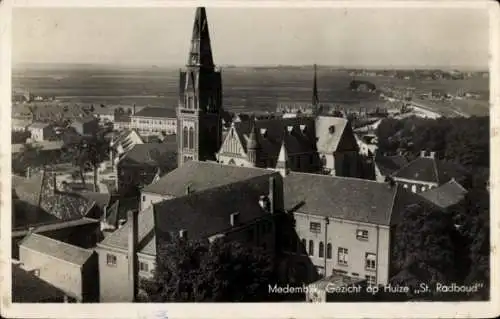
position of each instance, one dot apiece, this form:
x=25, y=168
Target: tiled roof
x=160, y=112
x=156, y=154
x=329, y=131
x=206, y=213
x=446, y=195
x=26, y=287
x=200, y=176
x=346, y=198
x=38, y=191
x=431, y=170
x=145, y=222
x=57, y=249
x=389, y=164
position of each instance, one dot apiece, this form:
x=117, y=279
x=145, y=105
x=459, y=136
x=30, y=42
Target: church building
x=314, y=143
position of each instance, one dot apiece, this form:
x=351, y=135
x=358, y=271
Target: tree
x=196, y=271
x=28, y=157
x=423, y=248
x=87, y=153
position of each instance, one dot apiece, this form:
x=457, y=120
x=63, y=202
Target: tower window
x=185, y=137
x=191, y=138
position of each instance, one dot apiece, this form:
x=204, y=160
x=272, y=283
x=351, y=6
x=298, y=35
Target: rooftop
x=200, y=176
x=156, y=154
x=57, y=249
x=160, y=112
x=346, y=198
x=389, y=164
x=432, y=170
x=446, y=195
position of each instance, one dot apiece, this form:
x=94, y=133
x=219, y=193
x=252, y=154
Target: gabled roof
x=159, y=112
x=446, y=195
x=145, y=222
x=389, y=164
x=43, y=145
x=207, y=213
x=346, y=198
x=202, y=175
x=272, y=132
x=329, y=131
x=57, y=249
x=431, y=170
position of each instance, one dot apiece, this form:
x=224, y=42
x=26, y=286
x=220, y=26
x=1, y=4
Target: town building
x=427, y=172
x=241, y=211
x=85, y=126
x=123, y=142
x=104, y=114
x=342, y=225
x=122, y=122
x=155, y=121
x=41, y=132
x=138, y=167
x=69, y=268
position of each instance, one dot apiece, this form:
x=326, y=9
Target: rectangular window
x=370, y=280
x=362, y=234
x=370, y=261
x=342, y=256
x=315, y=227
x=144, y=267
x=143, y=198
x=111, y=260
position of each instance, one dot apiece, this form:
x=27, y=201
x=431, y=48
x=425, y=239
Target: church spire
x=315, y=98
x=200, y=53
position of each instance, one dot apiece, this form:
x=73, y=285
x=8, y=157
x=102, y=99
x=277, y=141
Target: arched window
x=232, y=162
x=321, y=249
x=185, y=137
x=329, y=251
x=191, y=138
x=323, y=161
x=311, y=248
x=303, y=247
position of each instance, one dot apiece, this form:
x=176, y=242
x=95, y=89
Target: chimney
x=422, y=153
x=105, y=212
x=183, y=234
x=272, y=186
x=432, y=154
x=28, y=172
x=132, y=218
x=233, y=219
x=188, y=189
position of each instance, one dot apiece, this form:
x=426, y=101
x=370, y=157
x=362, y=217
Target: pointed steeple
x=253, y=145
x=315, y=98
x=282, y=163
x=200, y=53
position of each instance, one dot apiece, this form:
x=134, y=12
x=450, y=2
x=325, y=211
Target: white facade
x=154, y=125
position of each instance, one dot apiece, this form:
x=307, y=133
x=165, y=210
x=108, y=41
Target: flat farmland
x=245, y=88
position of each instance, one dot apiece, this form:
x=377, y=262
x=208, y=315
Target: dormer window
x=263, y=132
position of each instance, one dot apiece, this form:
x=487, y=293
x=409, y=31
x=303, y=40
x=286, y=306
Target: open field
x=244, y=88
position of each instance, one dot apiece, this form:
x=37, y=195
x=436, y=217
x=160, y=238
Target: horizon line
x=231, y=65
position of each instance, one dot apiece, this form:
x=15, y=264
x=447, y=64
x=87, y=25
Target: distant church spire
x=315, y=98
x=200, y=53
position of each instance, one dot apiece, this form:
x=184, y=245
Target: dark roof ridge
x=408, y=164
x=339, y=177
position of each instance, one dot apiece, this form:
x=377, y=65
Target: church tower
x=199, y=123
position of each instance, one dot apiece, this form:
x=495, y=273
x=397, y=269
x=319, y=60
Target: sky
x=355, y=37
